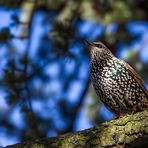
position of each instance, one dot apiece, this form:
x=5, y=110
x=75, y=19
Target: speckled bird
x=117, y=84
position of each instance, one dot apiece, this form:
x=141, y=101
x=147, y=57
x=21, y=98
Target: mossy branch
x=129, y=131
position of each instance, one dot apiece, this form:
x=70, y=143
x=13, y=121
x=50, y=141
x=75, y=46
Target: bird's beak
x=88, y=43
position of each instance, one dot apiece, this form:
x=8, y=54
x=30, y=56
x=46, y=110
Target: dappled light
x=45, y=87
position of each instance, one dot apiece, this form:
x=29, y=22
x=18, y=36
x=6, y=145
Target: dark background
x=45, y=89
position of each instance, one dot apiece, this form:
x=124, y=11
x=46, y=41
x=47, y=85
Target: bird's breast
x=106, y=75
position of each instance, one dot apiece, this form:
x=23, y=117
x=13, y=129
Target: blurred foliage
x=25, y=78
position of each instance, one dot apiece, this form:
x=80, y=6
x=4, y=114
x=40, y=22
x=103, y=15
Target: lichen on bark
x=128, y=131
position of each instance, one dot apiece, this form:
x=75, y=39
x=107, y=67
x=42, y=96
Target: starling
x=116, y=83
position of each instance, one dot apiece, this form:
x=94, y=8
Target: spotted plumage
x=116, y=83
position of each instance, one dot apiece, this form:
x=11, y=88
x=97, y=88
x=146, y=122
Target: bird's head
x=98, y=49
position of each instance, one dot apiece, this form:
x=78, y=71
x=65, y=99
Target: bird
x=116, y=83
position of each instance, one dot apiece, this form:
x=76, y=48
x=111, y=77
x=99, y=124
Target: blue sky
x=90, y=31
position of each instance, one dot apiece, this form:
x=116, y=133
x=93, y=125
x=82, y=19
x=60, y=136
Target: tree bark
x=129, y=131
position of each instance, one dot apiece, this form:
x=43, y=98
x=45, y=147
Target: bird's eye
x=99, y=45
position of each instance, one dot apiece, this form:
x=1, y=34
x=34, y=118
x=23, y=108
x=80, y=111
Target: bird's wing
x=139, y=80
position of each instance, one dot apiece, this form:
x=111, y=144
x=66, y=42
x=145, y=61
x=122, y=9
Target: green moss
x=36, y=145
x=121, y=131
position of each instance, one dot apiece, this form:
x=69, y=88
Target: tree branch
x=129, y=131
